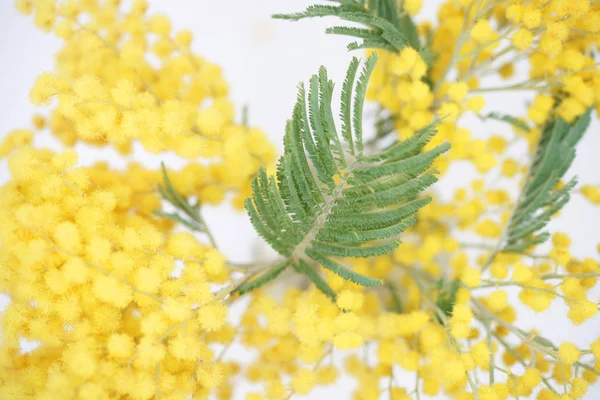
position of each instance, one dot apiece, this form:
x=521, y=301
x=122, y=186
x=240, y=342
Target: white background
x=264, y=60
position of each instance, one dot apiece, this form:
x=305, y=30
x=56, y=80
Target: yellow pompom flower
x=471, y=277
x=522, y=39
x=212, y=316
x=350, y=300
x=531, y=378
x=488, y=229
x=475, y=103
x=303, y=381
x=409, y=62
x=160, y=25
x=120, y=346
x=482, y=32
x=413, y=7
x=497, y=301
x=532, y=17
x=458, y=91
x=514, y=13
x=347, y=340
x=568, y=353
x=214, y=262
x=591, y=193
x=582, y=310
x=522, y=273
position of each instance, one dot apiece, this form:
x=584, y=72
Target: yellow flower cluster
x=102, y=292
x=125, y=76
x=557, y=37
x=397, y=85
x=110, y=301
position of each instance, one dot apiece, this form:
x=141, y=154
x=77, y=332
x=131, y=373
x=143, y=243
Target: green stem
x=516, y=355
x=564, y=276
x=493, y=284
x=488, y=328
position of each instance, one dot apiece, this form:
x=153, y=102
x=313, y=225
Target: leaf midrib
x=330, y=202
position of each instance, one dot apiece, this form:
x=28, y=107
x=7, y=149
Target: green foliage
x=384, y=125
x=186, y=213
x=446, y=295
x=541, y=197
x=245, y=116
x=329, y=199
x=175, y=217
x=386, y=28
x=303, y=268
x=517, y=123
x=262, y=279
x=396, y=302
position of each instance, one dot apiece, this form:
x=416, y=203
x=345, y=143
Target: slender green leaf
x=193, y=225
x=446, y=297
x=517, y=123
x=344, y=272
x=346, y=100
x=396, y=302
x=315, y=278
x=540, y=198
x=262, y=279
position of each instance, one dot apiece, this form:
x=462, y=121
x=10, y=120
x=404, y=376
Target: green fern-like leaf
x=386, y=28
x=509, y=119
x=396, y=305
x=185, y=214
x=329, y=200
x=261, y=280
x=446, y=295
x=540, y=197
